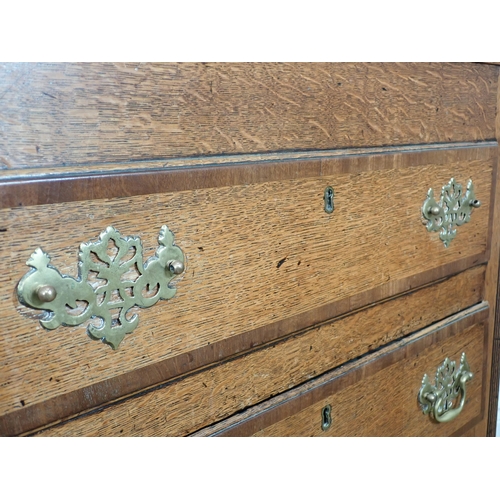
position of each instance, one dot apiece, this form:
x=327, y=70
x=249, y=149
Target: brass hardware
x=175, y=266
x=46, y=293
x=328, y=197
x=326, y=417
x=450, y=211
x=438, y=400
x=103, y=286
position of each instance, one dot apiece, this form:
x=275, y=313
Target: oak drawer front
x=263, y=259
x=379, y=396
x=77, y=114
x=187, y=405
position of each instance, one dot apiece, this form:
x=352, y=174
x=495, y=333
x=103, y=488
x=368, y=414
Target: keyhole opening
x=329, y=200
x=326, y=417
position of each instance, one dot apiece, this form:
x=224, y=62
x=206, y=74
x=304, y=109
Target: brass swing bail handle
x=441, y=415
x=439, y=400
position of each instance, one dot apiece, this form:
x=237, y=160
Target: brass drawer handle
x=450, y=211
x=438, y=399
x=112, y=280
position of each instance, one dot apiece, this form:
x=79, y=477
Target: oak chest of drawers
x=248, y=249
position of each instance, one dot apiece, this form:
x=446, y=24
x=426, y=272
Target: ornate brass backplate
x=438, y=400
x=453, y=209
x=108, y=285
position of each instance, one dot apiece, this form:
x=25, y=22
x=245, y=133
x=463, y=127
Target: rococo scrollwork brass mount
x=112, y=279
x=453, y=209
x=438, y=400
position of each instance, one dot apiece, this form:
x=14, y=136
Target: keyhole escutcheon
x=329, y=193
x=326, y=417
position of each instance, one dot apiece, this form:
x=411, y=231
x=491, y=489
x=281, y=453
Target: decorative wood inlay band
x=226, y=160
x=38, y=190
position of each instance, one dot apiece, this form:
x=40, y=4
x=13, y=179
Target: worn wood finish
x=211, y=395
x=472, y=432
x=492, y=295
x=67, y=114
x=99, y=393
x=211, y=176
x=186, y=175
x=494, y=388
x=257, y=255
x=377, y=395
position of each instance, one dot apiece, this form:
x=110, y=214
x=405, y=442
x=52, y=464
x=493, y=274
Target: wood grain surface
x=212, y=176
x=377, y=395
x=56, y=114
x=494, y=388
x=260, y=257
x=492, y=295
x=211, y=395
x=47, y=189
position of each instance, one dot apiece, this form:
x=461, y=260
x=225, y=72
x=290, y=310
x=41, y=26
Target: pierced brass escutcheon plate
x=106, y=287
x=450, y=211
x=438, y=400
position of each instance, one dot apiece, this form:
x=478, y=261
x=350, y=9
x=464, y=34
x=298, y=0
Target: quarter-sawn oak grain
x=214, y=394
x=257, y=255
x=492, y=296
x=377, y=395
x=389, y=398
x=60, y=114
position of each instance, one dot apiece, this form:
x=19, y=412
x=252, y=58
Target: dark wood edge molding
x=15, y=192
x=138, y=166
x=309, y=393
x=81, y=400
